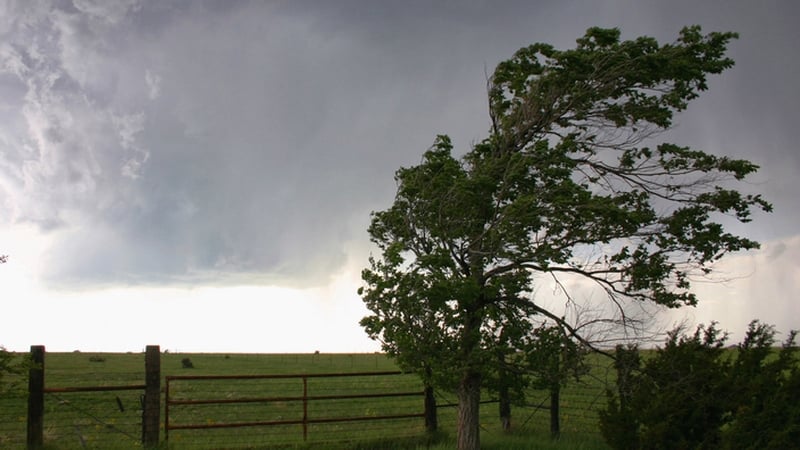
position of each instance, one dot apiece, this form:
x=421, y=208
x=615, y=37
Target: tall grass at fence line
x=94, y=420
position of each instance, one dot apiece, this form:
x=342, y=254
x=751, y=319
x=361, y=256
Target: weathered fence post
x=305, y=408
x=431, y=420
x=151, y=409
x=36, y=398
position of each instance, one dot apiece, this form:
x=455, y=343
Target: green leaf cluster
x=13, y=368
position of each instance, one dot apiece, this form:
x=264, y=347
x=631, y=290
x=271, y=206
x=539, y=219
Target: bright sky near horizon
x=199, y=174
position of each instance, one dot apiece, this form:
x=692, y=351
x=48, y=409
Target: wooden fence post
x=305, y=408
x=36, y=398
x=151, y=419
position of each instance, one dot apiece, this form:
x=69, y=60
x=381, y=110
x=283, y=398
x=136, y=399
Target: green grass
x=112, y=419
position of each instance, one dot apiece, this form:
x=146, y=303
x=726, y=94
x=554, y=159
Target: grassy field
x=112, y=419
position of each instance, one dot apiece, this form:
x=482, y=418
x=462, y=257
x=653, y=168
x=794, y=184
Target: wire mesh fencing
x=93, y=400
x=13, y=414
x=579, y=406
x=203, y=410
x=93, y=419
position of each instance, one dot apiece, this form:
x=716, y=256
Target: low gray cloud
x=165, y=142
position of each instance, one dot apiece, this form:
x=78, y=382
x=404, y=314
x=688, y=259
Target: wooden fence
x=294, y=407
x=151, y=400
x=181, y=405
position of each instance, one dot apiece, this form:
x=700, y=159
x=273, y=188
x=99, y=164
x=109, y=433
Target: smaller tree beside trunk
x=696, y=393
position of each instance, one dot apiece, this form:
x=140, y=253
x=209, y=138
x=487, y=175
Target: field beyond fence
x=245, y=389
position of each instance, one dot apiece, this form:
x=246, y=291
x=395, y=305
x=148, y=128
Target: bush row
x=695, y=393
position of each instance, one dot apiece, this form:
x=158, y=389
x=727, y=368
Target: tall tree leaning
x=572, y=180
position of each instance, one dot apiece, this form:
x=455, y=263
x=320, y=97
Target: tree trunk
x=469, y=398
x=555, y=401
x=503, y=390
x=431, y=420
x=555, y=404
x=505, y=407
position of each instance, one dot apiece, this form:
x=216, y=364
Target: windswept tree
x=571, y=181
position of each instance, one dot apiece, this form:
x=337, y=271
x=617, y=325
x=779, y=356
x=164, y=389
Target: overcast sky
x=199, y=174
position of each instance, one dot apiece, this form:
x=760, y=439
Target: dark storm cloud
x=194, y=141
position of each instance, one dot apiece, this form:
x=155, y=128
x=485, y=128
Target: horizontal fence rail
x=60, y=390
x=352, y=405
